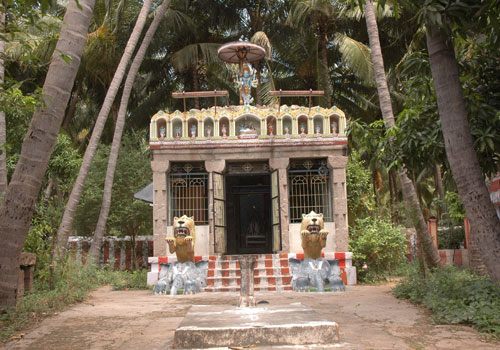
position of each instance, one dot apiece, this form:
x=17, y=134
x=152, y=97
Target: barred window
x=188, y=192
x=309, y=188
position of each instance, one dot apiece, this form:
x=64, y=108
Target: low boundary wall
x=115, y=250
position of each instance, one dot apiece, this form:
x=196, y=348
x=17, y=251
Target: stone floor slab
x=208, y=326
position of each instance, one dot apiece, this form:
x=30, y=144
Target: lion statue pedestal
x=184, y=274
x=314, y=271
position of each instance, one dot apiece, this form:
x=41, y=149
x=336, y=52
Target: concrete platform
x=208, y=326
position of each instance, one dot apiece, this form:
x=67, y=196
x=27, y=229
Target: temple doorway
x=248, y=210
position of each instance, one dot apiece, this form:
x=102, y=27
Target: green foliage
x=456, y=210
x=39, y=241
x=128, y=216
x=454, y=296
x=124, y=280
x=73, y=281
x=451, y=237
x=360, y=198
x=378, y=244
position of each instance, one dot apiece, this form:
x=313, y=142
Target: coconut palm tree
x=324, y=17
x=76, y=193
x=17, y=208
x=460, y=151
x=3, y=133
x=100, y=230
x=408, y=188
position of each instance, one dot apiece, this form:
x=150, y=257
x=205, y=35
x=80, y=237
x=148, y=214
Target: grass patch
x=126, y=280
x=455, y=296
x=73, y=283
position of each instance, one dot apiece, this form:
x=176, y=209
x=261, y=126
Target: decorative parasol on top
x=241, y=52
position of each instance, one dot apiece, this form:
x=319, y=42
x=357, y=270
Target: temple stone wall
x=338, y=164
x=215, y=159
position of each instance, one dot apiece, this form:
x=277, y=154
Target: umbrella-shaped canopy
x=241, y=52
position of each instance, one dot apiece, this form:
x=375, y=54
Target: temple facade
x=247, y=174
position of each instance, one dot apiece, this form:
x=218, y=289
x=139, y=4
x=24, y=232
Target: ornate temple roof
x=251, y=124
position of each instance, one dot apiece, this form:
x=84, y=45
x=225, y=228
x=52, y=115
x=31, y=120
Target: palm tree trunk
x=17, y=208
x=460, y=151
x=438, y=183
x=76, y=193
x=408, y=189
x=70, y=112
x=95, y=248
x=323, y=40
x=3, y=127
x=194, y=74
x=258, y=97
x=393, y=195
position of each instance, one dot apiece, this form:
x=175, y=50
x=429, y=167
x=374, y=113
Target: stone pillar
x=232, y=129
x=279, y=126
x=153, y=135
x=169, y=132
x=216, y=128
x=295, y=126
x=310, y=126
x=160, y=167
x=342, y=125
x=326, y=126
x=337, y=164
x=211, y=166
x=281, y=164
x=247, y=266
x=201, y=128
x=184, y=128
x=263, y=127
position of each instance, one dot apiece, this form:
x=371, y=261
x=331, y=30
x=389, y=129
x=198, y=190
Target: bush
x=454, y=296
x=379, y=245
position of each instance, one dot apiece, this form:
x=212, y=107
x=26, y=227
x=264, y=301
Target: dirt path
x=369, y=318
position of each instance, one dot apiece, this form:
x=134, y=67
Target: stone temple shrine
x=247, y=174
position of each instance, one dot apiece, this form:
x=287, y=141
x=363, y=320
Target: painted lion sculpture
x=313, y=235
x=182, y=243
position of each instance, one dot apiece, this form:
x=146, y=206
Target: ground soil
x=370, y=317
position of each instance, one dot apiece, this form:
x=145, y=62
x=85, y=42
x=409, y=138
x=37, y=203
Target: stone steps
x=272, y=271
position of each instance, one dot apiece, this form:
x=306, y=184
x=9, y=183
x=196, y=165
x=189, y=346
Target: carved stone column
x=232, y=129
x=160, y=166
x=326, y=126
x=185, y=131
x=339, y=201
x=295, y=126
x=211, y=166
x=310, y=126
x=247, y=266
x=216, y=128
x=281, y=164
x=280, y=127
x=153, y=134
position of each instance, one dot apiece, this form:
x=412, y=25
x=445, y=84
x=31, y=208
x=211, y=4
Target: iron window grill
x=310, y=188
x=187, y=185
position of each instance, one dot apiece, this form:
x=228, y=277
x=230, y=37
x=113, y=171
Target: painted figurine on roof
x=245, y=83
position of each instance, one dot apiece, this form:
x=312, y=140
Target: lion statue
x=313, y=235
x=182, y=243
